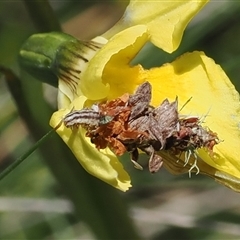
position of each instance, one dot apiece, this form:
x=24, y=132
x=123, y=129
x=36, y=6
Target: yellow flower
x=108, y=75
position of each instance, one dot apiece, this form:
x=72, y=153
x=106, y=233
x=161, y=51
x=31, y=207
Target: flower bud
x=50, y=56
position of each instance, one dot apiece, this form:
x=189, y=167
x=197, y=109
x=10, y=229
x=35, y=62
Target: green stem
x=42, y=15
x=10, y=168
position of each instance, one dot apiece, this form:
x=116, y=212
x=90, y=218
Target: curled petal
x=108, y=73
x=101, y=164
x=165, y=20
x=214, y=98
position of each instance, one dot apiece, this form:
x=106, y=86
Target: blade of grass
x=19, y=160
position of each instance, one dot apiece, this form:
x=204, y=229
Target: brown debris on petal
x=140, y=100
x=155, y=163
x=130, y=124
x=191, y=135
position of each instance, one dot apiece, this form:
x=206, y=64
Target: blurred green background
x=49, y=196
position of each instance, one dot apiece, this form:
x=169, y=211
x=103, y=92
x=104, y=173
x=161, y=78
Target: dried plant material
x=155, y=161
x=130, y=124
x=140, y=100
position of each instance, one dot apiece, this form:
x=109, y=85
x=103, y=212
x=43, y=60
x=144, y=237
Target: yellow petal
x=108, y=73
x=65, y=94
x=213, y=97
x=173, y=165
x=165, y=20
x=101, y=164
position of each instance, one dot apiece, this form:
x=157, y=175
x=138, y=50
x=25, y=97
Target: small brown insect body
x=84, y=117
x=87, y=117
